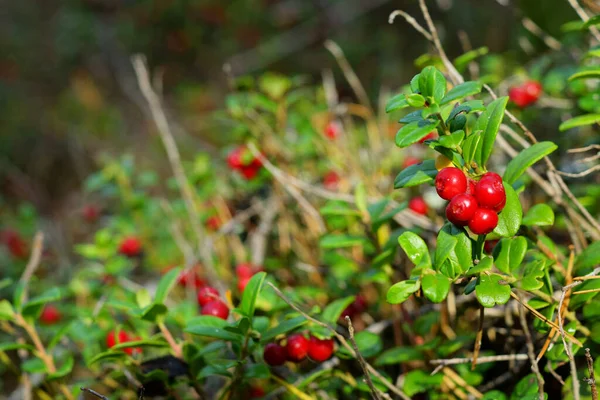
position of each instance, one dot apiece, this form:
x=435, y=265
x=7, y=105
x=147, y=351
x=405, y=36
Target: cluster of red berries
x=526, y=94
x=297, y=348
x=208, y=299
x=242, y=160
x=475, y=204
x=15, y=244
x=131, y=246
x=112, y=339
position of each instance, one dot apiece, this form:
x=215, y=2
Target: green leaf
x=589, y=72
x=34, y=366
x=492, y=290
x=153, y=312
x=509, y=220
x=143, y=298
x=257, y=371
x=332, y=312
x=463, y=60
x=533, y=275
x=207, y=325
x=463, y=90
x=64, y=370
x=108, y=355
x=582, y=120
x=398, y=355
x=414, y=83
x=401, y=291
x=432, y=83
x=165, y=285
x=414, y=116
x=415, y=100
x=416, y=174
x=250, y=294
x=470, y=146
x=446, y=243
x=140, y=343
x=452, y=141
x=539, y=215
x=525, y=159
x=459, y=259
x=593, y=21
x=589, y=258
x=494, y=395
x=467, y=107
x=485, y=264
x=6, y=311
x=338, y=241
x=415, y=248
x=489, y=122
x=435, y=287
x=369, y=344
x=509, y=253
x=19, y=296
x=15, y=346
x=396, y=103
x=414, y=132
x=282, y=327
x=418, y=381
x=360, y=197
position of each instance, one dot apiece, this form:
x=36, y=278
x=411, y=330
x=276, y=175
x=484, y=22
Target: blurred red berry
x=249, y=172
x=256, y=392
x=296, y=347
x=533, y=90
x=275, y=354
x=130, y=247
x=526, y=94
x=216, y=308
x=123, y=337
x=207, y=294
x=244, y=270
x=332, y=131
x=331, y=180
x=234, y=159
x=320, y=349
x=408, y=161
x=192, y=277
x=242, y=283
x=213, y=223
x=489, y=245
x=91, y=213
x=50, y=315
x=418, y=205
x=17, y=247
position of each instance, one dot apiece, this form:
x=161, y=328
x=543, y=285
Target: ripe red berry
x=489, y=191
x=332, y=131
x=296, y=347
x=449, y=182
x=15, y=243
x=408, y=161
x=484, y=221
x=418, y=205
x=130, y=247
x=90, y=213
x=249, y=172
x=320, y=350
x=256, y=392
x=331, y=180
x=50, y=315
x=244, y=270
x=461, y=209
x=190, y=276
x=213, y=223
x=274, y=354
x=242, y=283
x=518, y=96
x=234, y=159
x=216, y=308
x=356, y=307
x=207, y=294
x=111, y=340
x=533, y=90
x=430, y=136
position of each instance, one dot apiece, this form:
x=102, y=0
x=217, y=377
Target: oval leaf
x=489, y=122
x=401, y=291
x=461, y=91
x=435, y=287
x=248, y=303
x=509, y=220
x=492, y=290
x=415, y=248
x=525, y=159
x=414, y=132
x=416, y=174
x=539, y=215
x=582, y=120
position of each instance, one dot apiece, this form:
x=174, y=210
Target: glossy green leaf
x=415, y=100
x=419, y=381
x=461, y=91
x=415, y=248
x=165, y=285
x=492, y=290
x=539, y=215
x=589, y=72
x=207, y=325
x=463, y=60
x=398, y=355
x=525, y=159
x=509, y=254
x=333, y=310
x=444, y=246
x=396, y=103
x=414, y=116
x=338, y=241
x=144, y=343
x=533, y=275
x=6, y=311
x=509, y=220
x=65, y=368
x=416, y=174
x=435, y=287
x=470, y=146
x=250, y=294
x=414, y=84
x=283, y=327
x=432, y=83
x=401, y=291
x=466, y=108
x=489, y=122
x=484, y=265
x=582, y=120
x=459, y=259
x=369, y=345
x=452, y=141
x=415, y=131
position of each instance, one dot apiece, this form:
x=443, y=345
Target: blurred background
x=68, y=94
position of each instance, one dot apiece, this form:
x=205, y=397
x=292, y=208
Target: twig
x=580, y=174
x=361, y=360
x=411, y=21
x=553, y=373
x=456, y=378
x=94, y=393
x=164, y=130
x=583, y=15
x=574, y=377
x=177, y=350
x=531, y=353
x=592, y=379
x=583, y=149
x=33, y=263
x=480, y=360
x=537, y=31
x=478, y=338
x=258, y=239
x=342, y=340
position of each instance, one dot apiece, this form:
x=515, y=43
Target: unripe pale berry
x=483, y=222
x=216, y=308
x=449, y=182
x=296, y=347
x=461, y=209
x=275, y=354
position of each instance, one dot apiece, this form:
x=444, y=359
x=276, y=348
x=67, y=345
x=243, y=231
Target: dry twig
x=592, y=379
x=361, y=360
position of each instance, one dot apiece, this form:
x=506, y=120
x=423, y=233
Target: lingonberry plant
x=304, y=270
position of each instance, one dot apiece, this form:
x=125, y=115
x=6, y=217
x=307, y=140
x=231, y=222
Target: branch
x=584, y=17
x=592, y=379
x=531, y=353
x=361, y=360
x=411, y=21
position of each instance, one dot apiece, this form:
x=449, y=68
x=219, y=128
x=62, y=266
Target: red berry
x=461, y=209
x=519, y=96
x=332, y=131
x=274, y=354
x=234, y=159
x=190, y=276
x=331, y=180
x=449, y=182
x=249, y=172
x=207, y=294
x=489, y=245
x=430, y=136
x=130, y=247
x=533, y=90
x=124, y=337
x=483, y=222
x=296, y=347
x=471, y=187
x=256, y=392
x=244, y=270
x=242, y=283
x=50, y=315
x=418, y=205
x=213, y=223
x=15, y=243
x=216, y=308
x=320, y=350
x=91, y=213
x=489, y=191
x=408, y=161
